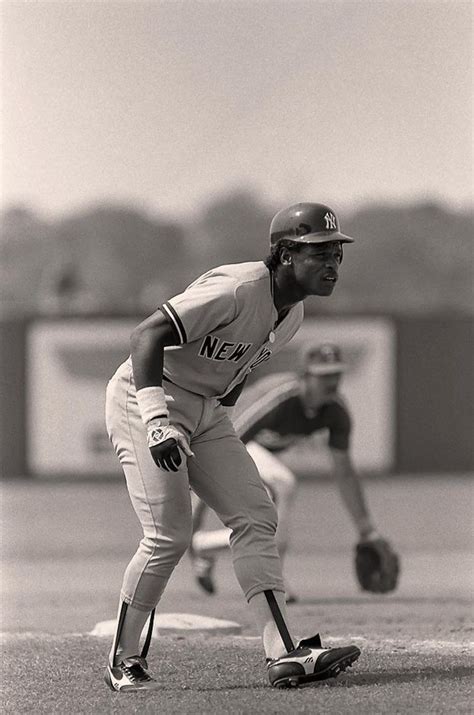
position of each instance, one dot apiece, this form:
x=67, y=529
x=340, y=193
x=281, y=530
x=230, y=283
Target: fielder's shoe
x=130, y=675
x=203, y=568
x=310, y=661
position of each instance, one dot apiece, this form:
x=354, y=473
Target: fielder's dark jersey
x=272, y=413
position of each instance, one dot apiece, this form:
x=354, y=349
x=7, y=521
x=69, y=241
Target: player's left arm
x=377, y=564
x=352, y=493
x=349, y=483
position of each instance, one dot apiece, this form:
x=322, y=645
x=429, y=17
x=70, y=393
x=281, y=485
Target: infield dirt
x=65, y=546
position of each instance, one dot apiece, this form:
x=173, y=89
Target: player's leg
x=202, y=558
x=225, y=476
x=130, y=673
x=206, y=544
x=200, y=510
x=163, y=506
x=308, y=661
x=281, y=483
x=211, y=541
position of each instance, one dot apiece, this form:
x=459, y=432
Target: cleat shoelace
x=136, y=673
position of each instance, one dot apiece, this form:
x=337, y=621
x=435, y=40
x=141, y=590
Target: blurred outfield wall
x=409, y=385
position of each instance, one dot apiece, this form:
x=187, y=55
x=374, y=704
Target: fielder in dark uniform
x=271, y=416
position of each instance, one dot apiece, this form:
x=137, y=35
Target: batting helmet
x=323, y=359
x=307, y=223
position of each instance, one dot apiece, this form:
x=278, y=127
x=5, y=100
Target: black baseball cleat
x=310, y=662
x=130, y=675
x=203, y=569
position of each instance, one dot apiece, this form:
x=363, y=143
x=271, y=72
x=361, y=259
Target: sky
x=171, y=104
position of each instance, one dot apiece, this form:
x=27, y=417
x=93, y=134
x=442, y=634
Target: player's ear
x=285, y=256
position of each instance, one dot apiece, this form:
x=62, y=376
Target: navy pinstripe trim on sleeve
x=175, y=321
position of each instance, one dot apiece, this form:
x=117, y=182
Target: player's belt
x=166, y=379
x=184, y=388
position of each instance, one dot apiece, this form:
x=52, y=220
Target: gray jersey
x=225, y=324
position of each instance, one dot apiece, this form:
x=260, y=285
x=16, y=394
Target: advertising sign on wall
x=69, y=363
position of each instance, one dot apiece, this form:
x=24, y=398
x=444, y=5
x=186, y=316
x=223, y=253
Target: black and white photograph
x=236, y=357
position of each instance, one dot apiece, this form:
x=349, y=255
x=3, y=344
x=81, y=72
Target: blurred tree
x=118, y=259
x=234, y=228
x=408, y=259
x=118, y=251
x=26, y=244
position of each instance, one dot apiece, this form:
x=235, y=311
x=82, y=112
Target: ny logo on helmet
x=330, y=221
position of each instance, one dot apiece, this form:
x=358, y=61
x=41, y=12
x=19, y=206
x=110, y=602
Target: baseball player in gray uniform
x=167, y=422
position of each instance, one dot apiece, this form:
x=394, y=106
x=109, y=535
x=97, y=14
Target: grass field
x=64, y=548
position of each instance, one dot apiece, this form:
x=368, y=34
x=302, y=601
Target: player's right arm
x=147, y=345
x=209, y=301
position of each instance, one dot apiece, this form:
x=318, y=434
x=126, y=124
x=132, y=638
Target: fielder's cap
x=323, y=359
x=307, y=223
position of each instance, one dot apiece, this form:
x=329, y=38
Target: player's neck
x=310, y=406
x=285, y=293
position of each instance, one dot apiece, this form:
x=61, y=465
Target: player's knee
x=254, y=525
x=182, y=544
x=169, y=547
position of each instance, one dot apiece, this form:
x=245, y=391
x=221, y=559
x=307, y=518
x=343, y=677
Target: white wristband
x=152, y=403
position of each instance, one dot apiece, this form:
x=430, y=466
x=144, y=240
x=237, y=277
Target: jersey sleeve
x=339, y=425
x=251, y=427
x=207, y=303
x=259, y=406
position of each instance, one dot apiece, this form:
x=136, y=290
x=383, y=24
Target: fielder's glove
x=164, y=441
x=377, y=565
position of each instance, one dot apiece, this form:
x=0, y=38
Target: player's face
x=318, y=388
x=316, y=267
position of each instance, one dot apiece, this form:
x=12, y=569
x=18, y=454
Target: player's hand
x=165, y=442
x=377, y=564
